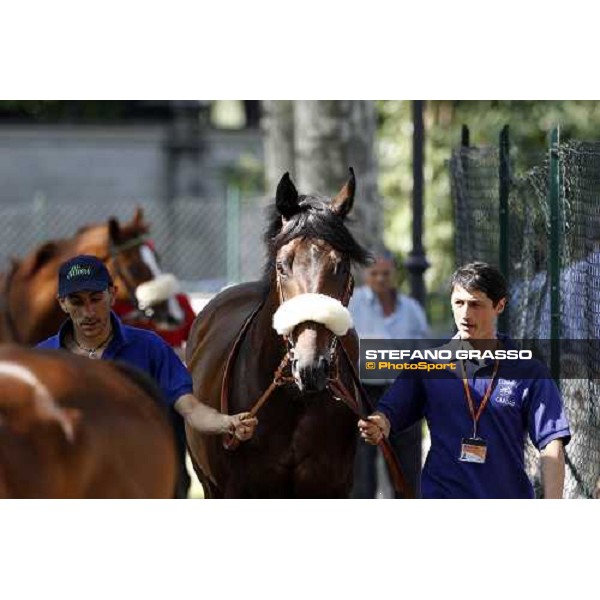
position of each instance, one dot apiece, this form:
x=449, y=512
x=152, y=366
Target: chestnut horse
x=29, y=312
x=306, y=437
x=71, y=427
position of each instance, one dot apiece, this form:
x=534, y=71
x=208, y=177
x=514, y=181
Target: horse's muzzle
x=312, y=376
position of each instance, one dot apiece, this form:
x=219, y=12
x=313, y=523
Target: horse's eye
x=284, y=266
x=341, y=268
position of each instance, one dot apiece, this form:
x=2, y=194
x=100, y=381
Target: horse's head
x=141, y=286
x=138, y=276
x=311, y=252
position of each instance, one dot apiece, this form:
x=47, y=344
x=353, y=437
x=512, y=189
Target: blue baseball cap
x=84, y=273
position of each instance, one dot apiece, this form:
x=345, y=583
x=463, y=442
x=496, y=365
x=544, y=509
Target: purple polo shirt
x=524, y=400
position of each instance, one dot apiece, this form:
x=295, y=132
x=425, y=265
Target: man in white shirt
x=380, y=311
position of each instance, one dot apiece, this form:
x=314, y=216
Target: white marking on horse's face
x=149, y=258
x=45, y=404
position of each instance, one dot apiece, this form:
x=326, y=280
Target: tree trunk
x=279, y=141
x=331, y=136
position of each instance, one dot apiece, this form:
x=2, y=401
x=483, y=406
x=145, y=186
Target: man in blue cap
x=86, y=293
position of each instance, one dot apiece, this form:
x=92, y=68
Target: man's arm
x=553, y=469
x=205, y=419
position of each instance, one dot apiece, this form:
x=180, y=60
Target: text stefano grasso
x=445, y=354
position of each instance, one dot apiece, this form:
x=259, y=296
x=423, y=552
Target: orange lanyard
x=486, y=396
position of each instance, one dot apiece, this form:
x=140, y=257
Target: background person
x=381, y=311
x=86, y=294
x=478, y=422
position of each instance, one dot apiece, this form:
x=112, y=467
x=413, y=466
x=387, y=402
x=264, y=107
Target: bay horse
x=71, y=427
x=29, y=312
x=306, y=437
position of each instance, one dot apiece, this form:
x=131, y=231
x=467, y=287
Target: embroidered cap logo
x=78, y=270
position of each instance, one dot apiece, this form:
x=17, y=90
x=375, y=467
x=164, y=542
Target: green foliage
x=529, y=121
x=247, y=174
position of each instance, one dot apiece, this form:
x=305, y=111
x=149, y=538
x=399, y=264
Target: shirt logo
x=505, y=392
x=78, y=270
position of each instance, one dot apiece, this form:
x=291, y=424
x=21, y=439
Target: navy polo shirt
x=525, y=400
x=142, y=349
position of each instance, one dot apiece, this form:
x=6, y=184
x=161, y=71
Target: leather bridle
x=345, y=299
x=334, y=384
x=123, y=273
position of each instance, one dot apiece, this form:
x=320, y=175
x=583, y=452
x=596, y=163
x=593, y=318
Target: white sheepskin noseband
x=156, y=290
x=312, y=307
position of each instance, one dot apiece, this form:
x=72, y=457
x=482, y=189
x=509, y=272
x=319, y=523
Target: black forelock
x=314, y=220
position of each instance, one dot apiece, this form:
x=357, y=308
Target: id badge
x=473, y=450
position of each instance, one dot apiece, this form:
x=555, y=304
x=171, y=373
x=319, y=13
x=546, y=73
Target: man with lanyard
x=478, y=415
x=380, y=311
x=86, y=294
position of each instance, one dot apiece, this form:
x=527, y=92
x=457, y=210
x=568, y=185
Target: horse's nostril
x=323, y=364
x=313, y=377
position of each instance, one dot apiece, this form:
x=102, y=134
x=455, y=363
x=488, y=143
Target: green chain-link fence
x=206, y=242
x=528, y=256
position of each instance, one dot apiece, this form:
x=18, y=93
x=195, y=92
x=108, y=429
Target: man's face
x=474, y=313
x=89, y=311
x=381, y=276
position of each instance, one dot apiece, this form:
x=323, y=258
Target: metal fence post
x=504, y=242
x=233, y=234
x=463, y=239
x=416, y=263
x=554, y=255
x=464, y=137
x=40, y=219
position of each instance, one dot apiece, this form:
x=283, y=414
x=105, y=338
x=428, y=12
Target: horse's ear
x=138, y=216
x=114, y=230
x=138, y=221
x=342, y=203
x=286, y=198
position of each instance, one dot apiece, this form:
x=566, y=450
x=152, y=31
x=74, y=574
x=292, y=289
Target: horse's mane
x=56, y=248
x=86, y=228
x=314, y=220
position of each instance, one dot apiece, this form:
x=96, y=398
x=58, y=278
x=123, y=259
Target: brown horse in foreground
x=29, y=312
x=71, y=427
x=305, y=441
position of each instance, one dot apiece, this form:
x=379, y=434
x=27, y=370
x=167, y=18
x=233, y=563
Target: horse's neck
x=264, y=339
x=263, y=348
